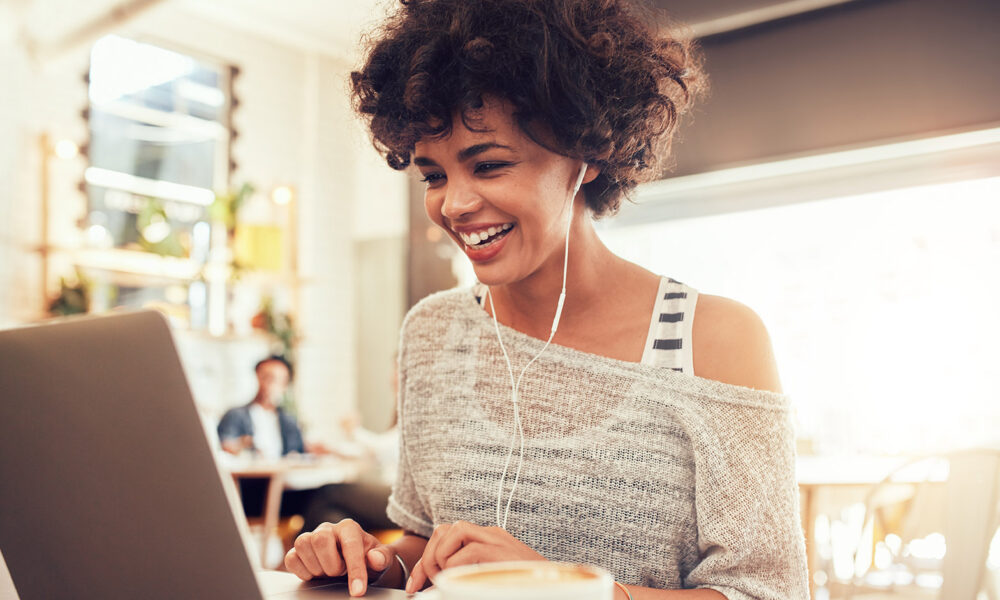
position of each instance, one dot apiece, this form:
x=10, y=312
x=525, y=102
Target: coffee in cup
x=525, y=580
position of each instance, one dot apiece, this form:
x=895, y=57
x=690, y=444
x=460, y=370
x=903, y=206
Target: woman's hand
x=335, y=550
x=464, y=544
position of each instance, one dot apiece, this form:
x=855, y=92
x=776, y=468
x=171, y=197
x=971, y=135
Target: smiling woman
x=649, y=441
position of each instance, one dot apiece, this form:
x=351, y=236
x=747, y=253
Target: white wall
x=381, y=227
x=45, y=98
x=13, y=102
x=382, y=212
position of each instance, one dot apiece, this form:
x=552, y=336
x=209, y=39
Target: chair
x=965, y=507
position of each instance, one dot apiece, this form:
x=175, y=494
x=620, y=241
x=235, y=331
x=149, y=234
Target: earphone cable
x=515, y=385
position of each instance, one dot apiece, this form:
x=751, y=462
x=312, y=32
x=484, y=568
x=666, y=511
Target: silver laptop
x=108, y=485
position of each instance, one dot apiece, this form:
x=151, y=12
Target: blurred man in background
x=262, y=426
x=268, y=432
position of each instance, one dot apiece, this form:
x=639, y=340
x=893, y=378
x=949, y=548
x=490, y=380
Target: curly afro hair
x=603, y=85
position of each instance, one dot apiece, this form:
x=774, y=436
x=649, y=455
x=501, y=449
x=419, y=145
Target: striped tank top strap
x=668, y=343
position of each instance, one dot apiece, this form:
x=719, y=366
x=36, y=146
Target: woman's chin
x=490, y=275
x=490, y=279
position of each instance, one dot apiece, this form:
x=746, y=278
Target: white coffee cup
x=524, y=580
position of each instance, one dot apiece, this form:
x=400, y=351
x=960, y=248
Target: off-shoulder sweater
x=667, y=480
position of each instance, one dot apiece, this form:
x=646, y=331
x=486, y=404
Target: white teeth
x=474, y=239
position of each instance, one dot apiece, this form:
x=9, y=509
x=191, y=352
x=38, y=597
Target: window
x=159, y=146
x=881, y=306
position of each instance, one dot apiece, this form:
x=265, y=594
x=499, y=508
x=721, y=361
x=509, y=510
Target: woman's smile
x=481, y=242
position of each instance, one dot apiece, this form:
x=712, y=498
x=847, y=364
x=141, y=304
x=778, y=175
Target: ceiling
x=327, y=26
x=695, y=11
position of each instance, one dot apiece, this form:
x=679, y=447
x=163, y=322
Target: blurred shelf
x=228, y=337
x=261, y=278
x=137, y=263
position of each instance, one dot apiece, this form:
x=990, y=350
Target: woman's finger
x=418, y=574
x=324, y=544
x=458, y=535
x=295, y=565
x=428, y=561
x=379, y=556
x=417, y=578
x=470, y=554
x=352, y=548
x=305, y=552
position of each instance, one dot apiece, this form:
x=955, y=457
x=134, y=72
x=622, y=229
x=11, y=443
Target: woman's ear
x=591, y=174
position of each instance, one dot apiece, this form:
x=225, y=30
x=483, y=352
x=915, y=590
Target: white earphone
x=514, y=385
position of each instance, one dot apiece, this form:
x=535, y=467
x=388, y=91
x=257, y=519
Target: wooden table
x=291, y=473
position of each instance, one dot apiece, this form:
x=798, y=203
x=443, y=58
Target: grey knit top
x=666, y=480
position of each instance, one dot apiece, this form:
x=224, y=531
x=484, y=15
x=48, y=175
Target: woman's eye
x=432, y=178
x=486, y=167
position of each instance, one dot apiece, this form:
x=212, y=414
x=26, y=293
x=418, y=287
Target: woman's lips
x=487, y=252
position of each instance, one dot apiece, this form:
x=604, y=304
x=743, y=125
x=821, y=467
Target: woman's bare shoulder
x=731, y=345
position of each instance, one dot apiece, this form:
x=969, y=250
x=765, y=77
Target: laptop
x=108, y=486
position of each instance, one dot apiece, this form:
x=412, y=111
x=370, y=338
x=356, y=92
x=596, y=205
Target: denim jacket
x=237, y=423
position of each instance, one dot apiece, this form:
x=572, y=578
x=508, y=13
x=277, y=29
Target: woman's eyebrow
x=467, y=153
x=463, y=155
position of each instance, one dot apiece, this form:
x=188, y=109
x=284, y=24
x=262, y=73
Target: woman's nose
x=460, y=199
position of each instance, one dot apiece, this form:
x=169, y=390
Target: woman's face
x=500, y=196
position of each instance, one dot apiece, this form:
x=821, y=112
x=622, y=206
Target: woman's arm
x=746, y=498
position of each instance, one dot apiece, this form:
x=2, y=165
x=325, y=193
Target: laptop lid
x=108, y=486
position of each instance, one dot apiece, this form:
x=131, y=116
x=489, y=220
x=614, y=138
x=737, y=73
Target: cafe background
x=842, y=179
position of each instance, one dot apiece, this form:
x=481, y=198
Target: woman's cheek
x=432, y=206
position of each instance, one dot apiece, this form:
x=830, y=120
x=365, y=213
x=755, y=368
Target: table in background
x=851, y=478
x=291, y=473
